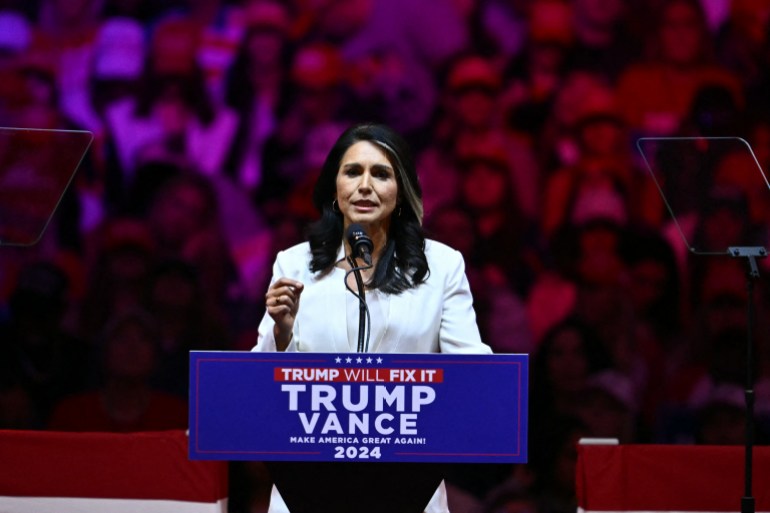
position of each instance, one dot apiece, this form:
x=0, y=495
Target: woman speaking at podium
x=418, y=296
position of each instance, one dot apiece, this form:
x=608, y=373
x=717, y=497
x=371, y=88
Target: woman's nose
x=366, y=180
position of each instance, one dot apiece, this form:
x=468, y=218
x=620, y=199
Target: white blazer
x=434, y=317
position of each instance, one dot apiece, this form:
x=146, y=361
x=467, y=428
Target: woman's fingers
x=286, y=301
x=282, y=302
x=283, y=296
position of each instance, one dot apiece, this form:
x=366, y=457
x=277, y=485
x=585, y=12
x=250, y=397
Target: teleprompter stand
x=752, y=274
x=353, y=487
x=719, y=172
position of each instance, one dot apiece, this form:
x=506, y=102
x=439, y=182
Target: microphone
x=360, y=243
x=361, y=246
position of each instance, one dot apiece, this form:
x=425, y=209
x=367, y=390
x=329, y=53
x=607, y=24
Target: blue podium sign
x=358, y=407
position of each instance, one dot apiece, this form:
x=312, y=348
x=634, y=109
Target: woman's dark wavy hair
x=403, y=264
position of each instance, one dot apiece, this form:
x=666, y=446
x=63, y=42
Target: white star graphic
x=368, y=360
x=338, y=360
x=379, y=360
x=348, y=359
x=359, y=360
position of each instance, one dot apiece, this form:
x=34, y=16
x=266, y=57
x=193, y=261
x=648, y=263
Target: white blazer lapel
x=400, y=315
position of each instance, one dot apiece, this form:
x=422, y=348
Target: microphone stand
x=363, y=310
x=751, y=254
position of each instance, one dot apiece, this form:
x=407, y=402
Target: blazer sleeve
x=458, y=332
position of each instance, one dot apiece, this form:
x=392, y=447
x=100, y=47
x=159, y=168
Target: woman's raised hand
x=282, y=302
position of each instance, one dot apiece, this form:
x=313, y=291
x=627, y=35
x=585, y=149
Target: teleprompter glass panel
x=714, y=188
x=36, y=167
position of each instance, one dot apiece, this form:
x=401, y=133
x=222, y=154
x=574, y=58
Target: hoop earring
x=336, y=207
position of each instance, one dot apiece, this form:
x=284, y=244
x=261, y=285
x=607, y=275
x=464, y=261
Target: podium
x=358, y=431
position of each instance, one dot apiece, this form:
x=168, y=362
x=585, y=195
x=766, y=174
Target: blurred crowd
x=211, y=119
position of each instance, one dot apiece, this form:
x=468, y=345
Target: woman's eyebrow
x=377, y=167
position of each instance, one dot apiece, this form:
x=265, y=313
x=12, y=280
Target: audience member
x=16, y=37
x=554, y=461
x=603, y=44
x=37, y=354
x=396, y=29
x=742, y=39
x=220, y=30
x=118, y=63
x=655, y=288
x=126, y=400
x=256, y=85
x=603, y=303
x=499, y=28
x=704, y=393
x=65, y=40
x=120, y=259
x=535, y=79
x=172, y=115
x=467, y=111
x=184, y=220
x=311, y=112
x=655, y=95
x=608, y=406
x=567, y=355
x=600, y=182
x=556, y=145
x=505, y=237
x=721, y=418
x=186, y=321
x=390, y=86
x=501, y=313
